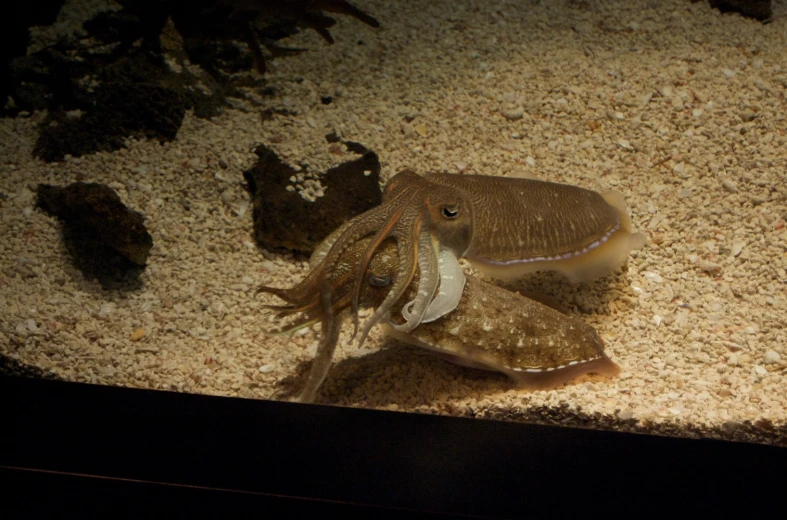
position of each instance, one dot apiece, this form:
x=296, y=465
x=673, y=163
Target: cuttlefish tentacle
x=490, y=328
x=329, y=337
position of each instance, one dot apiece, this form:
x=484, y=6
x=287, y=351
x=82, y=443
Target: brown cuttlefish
x=505, y=227
x=489, y=328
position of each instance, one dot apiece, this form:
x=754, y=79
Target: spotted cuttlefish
x=489, y=328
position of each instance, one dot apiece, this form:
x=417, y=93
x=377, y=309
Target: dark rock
x=16, y=22
x=131, y=94
x=757, y=9
x=352, y=146
x=105, y=239
x=270, y=113
x=143, y=78
x=15, y=368
x=285, y=220
x=120, y=111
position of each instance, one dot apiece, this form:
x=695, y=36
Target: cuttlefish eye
x=451, y=211
x=376, y=280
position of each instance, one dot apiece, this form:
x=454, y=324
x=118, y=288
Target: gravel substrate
x=678, y=107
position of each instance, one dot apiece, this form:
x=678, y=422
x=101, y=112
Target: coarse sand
x=678, y=107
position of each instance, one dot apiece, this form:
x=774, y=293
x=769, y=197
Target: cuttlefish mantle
x=525, y=225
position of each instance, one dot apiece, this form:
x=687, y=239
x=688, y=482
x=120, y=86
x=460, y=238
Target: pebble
x=709, y=267
x=138, y=334
x=771, y=356
x=728, y=73
x=512, y=114
x=265, y=369
x=730, y=186
x=625, y=415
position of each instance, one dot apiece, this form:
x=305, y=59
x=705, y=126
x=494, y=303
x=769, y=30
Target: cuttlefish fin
x=548, y=378
x=544, y=380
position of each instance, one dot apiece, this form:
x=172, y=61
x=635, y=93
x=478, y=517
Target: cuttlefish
x=490, y=328
x=505, y=227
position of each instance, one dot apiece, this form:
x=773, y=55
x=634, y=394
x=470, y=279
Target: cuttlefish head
x=333, y=303
x=340, y=283
x=422, y=217
x=448, y=211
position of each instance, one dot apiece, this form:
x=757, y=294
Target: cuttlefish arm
x=333, y=293
x=489, y=328
x=525, y=225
